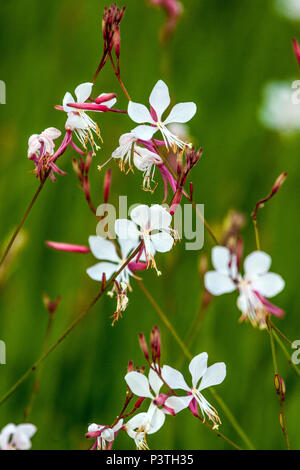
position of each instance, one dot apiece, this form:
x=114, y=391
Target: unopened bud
x=277, y=383
x=155, y=344
x=282, y=389
x=296, y=47
x=107, y=183
x=130, y=366
x=51, y=305
x=143, y=345
x=281, y=421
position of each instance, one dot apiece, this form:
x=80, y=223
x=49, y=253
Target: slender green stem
x=69, y=329
x=21, y=223
x=187, y=353
x=219, y=434
x=274, y=327
x=256, y=234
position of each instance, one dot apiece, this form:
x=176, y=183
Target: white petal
x=139, y=113
x=141, y=215
x=127, y=246
x=103, y=249
x=220, y=257
x=217, y=283
x=52, y=133
x=174, y=378
x=68, y=98
x=83, y=92
x=135, y=423
x=118, y=425
x=242, y=303
x=75, y=121
x=257, y=262
x=126, y=229
x=96, y=271
x=159, y=217
x=144, y=132
x=108, y=434
x=157, y=421
x=138, y=384
x=197, y=367
x=93, y=427
x=268, y=284
x=214, y=375
x=155, y=381
x=108, y=103
x=181, y=112
x=160, y=98
x=6, y=434
x=179, y=403
x=28, y=429
x=162, y=241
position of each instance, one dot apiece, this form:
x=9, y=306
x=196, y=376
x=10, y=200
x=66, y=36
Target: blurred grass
x=220, y=57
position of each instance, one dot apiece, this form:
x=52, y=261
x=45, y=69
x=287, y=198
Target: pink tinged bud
x=277, y=185
x=282, y=389
x=281, y=422
x=68, y=248
x=239, y=251
x=176, y=201
x=143, y=345
x=107, y=184
x=296, y=47
x=105, y=97
x=130, y=366
x=89, y=106
x=88, y=162
x=155, y=343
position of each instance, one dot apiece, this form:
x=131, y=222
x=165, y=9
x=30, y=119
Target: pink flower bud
x=107, y=183
x=296, y=47
x=143, y=345
x=67, y=247
x=51, y=305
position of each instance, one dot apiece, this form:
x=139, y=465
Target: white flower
x=18, y=437
x=256, y=284
x=43, y=142
x=180, y=130
x=146, y=161
x=104, y=250
x=147, y=422
x=78, y=120
x=107, y=435
x=159, y=101
x=210, y=376
x=154, y=229
x=278, y=111
x=125, y=149
x=289, y=8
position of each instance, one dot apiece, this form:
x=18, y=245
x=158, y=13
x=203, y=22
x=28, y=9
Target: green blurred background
x=220, y=56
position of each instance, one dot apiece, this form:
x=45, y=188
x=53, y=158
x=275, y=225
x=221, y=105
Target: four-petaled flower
x=159, y=101
x=18, y=437
x=146, y=422
x=209, y=376
x=154, y=229
x=254, y=286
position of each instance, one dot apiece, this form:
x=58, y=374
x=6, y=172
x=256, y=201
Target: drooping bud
x=143, y=345
x=277, y=185
x=296, y=47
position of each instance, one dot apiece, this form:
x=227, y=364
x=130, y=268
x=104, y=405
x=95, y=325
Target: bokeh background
x=220, y=56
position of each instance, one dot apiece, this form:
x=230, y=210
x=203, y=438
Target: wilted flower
x=256, y=284
x=40, y=148
x=159, y=101
x=17, y=437
x=210, y=376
